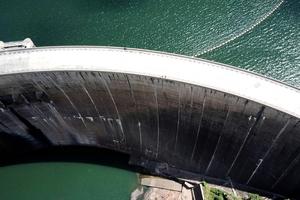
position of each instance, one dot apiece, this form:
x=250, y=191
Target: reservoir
x=261, y=36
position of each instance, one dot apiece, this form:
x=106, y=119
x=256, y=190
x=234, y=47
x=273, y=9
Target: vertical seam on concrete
x=178, y=118
x=141, y=139
x=199, y=127
x=44, y=91
x=37, y=109
x=70, y=101
x=119, y=121
x=91, y=99
x=157, y=117
x=94, y=105
x=245, y=139
x=137, y=111
x=291, y=165
x=269, y=150
x=46, y=121
x=62, y=120
x=36, y=84
x=218, y=143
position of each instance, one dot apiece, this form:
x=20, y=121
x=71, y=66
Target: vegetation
x=254, y=197
x=217, y=194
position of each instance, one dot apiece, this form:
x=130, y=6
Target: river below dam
x=262, y=36
x=65, y=180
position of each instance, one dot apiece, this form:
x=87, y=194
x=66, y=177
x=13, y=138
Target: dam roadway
x=195, y=115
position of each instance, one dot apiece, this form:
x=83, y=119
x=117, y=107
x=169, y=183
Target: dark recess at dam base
x=188, y=126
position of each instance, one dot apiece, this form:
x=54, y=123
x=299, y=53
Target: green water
x=250, y=34
x=272, y=48
x=65, y=181
x=258, y=35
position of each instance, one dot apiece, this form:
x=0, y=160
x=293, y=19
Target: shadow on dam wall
x=78, y=154
x=189, y=127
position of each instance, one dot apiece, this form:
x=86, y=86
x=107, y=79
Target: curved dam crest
x=192, y=114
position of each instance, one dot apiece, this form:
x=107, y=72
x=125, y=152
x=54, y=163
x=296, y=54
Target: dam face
x=161, y=107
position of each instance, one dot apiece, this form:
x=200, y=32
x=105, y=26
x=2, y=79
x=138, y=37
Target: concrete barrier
x=192, y=114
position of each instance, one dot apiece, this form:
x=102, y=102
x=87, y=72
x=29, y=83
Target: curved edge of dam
x=184, y=69
x=194, y=115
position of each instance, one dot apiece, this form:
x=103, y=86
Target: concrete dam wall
x=195, y=115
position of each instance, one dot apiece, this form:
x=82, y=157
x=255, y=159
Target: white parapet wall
x=156, y=64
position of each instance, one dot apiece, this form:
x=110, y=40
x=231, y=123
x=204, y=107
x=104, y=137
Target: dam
x=124, y=81
x=189, y=114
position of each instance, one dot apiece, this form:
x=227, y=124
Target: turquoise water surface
x=258, y=35
x=65, y=181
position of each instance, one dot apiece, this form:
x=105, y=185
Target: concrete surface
x=192, y=114
x=158, y=182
